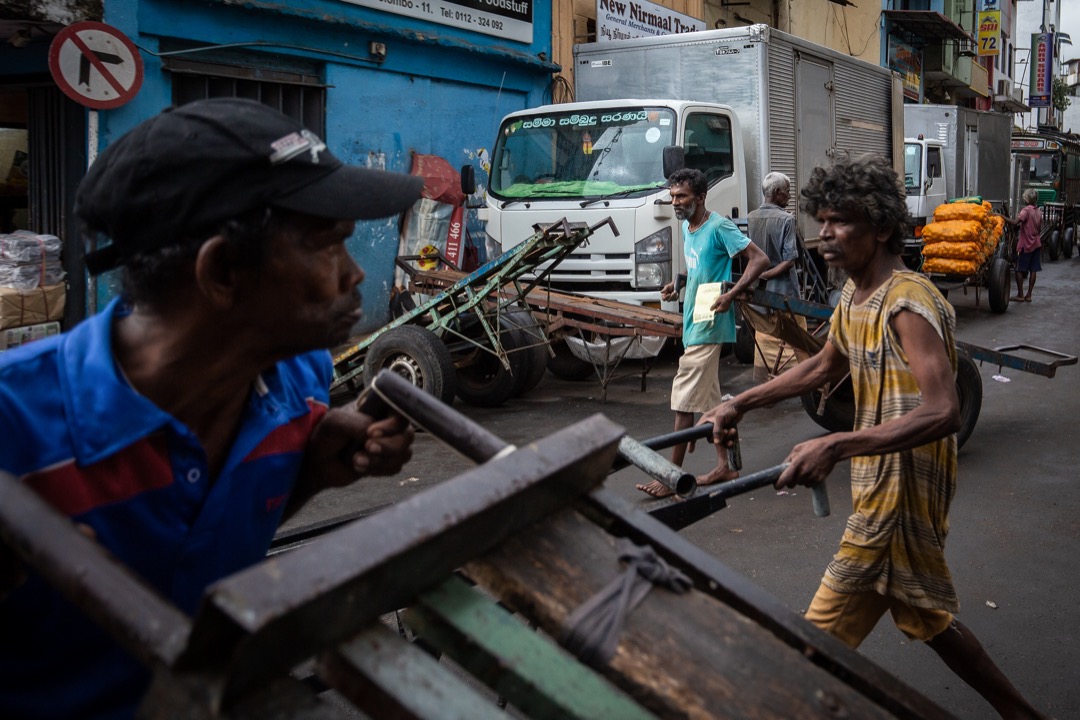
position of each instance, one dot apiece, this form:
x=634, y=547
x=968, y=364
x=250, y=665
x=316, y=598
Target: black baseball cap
x=191, y=168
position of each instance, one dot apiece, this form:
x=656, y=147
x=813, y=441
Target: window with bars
x=298, y=95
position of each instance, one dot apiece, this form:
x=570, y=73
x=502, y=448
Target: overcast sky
x=1070, y=23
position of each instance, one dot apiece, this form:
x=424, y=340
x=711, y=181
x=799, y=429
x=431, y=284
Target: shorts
x=1029, y=261
x=851, y=616
x=696, y=387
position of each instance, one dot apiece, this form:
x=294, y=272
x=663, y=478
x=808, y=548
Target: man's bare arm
x=756, y=262
x=937, y=415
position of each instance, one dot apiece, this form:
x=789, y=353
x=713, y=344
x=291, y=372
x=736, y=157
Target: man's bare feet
x=656, y=488
x=717, y=475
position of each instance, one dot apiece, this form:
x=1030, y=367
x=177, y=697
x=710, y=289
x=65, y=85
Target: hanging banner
x=1041, y=90
x=623, y=19
x=990, y=32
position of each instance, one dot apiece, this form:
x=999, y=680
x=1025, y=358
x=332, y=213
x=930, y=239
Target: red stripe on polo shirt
x=136, y=469
x=289, y=438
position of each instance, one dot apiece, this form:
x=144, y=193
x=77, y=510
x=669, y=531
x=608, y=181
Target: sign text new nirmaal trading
x=622, y=19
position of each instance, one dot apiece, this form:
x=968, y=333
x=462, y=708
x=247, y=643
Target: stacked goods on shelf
x=32, y=290
x=963, y=235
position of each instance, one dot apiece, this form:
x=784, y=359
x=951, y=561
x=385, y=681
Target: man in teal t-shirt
x=710, y=243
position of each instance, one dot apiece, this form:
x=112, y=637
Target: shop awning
x=927, y=24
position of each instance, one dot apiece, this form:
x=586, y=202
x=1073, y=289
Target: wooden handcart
x=499, y=569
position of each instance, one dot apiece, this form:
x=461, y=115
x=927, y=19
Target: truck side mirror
x=468, y=179
x=674, y=159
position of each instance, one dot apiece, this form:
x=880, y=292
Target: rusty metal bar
x=266, y=618
x=677, y=514
x=1001, y=358
x=140, y=620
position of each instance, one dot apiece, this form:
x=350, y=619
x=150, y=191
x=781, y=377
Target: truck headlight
x=652, y=260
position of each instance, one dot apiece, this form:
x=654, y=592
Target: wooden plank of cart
x=490, y=569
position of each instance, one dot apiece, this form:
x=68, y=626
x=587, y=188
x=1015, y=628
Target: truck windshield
x=582, y=154
x=1037, y=167
x=912, y=165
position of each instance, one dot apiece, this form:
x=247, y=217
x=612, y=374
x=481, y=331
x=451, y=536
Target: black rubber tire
x=839, y=410
x=838, y=415
x=418, y=355
x=744, y=343
x=482, y=380
x=1054, y=246
x=970, y=392
x=567, y=366
x=999, y=285
x=536, y=350
x=1067, y=242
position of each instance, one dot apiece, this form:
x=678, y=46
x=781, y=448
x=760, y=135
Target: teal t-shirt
x=709, y=251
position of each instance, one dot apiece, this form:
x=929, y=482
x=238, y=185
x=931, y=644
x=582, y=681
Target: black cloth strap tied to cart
x=592, y=631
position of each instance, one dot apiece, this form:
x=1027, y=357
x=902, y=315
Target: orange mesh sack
x=961, y=211
x=953, y=250
x=949, y=266
x=952, y=231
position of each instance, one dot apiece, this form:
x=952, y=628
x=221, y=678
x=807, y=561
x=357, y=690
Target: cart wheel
x=533, y=338
x=482, y=381
x=838, y=415
x=416, y=354
x=1054, y=247
x=744, y=344
x=839, y=412
x=1067, y=242
x=567, y=366
x=969, y=390
x=999, y=285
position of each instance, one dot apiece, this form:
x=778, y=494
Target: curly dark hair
x=153, y=277
x=692, y=178
x=867, y=186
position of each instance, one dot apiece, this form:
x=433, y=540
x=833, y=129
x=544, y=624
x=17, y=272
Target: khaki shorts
x=851, y=616
x=696, y=387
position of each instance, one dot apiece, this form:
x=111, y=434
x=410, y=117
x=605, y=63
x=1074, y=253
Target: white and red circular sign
x=95, y=65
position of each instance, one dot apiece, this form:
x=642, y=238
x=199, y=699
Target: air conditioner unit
x=1004, y=88
x=966, y=48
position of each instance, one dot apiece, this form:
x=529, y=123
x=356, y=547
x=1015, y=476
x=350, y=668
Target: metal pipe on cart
x=819, y=493
x=470, y=439
x=389, y=390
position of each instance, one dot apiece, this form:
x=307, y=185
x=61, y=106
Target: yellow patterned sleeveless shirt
x=894, y=542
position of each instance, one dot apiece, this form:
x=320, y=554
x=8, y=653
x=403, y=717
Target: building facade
x=380, y=80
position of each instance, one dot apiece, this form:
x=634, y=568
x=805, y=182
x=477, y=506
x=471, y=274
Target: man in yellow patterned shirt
x=893, y=331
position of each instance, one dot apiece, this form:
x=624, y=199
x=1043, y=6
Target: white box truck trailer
x=952, y=152
x=741, y=102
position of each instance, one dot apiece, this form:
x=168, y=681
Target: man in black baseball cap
x=180, y=425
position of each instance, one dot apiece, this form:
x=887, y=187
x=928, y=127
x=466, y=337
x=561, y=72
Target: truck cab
x=924, y=180
x=590, y=160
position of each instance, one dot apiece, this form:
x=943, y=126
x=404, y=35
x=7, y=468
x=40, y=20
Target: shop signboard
x=623, y=19
x=1042, y=63
x=510, y=19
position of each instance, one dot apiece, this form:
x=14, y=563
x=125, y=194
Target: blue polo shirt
x=75, y=431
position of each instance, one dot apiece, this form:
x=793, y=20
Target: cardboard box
x=32, y=307
x=14, y=337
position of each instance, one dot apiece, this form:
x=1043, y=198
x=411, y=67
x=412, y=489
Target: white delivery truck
x=952, y=152
x=740, y=102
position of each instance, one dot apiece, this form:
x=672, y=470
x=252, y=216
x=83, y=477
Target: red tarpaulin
x=442, y=183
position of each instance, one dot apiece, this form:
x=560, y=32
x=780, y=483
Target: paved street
x=1015, y=521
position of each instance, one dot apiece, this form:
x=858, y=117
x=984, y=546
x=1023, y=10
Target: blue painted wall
x=439, y=91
